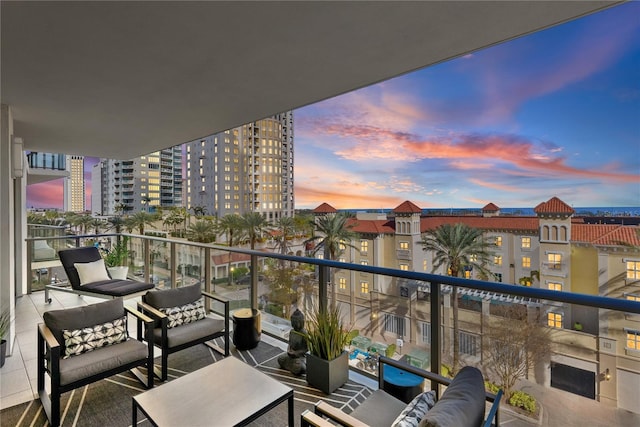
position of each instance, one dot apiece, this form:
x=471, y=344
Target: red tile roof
x=527, y=224
x=325, y=208
x=224, y=258
x=554, y=205
x=407, y=207
x=605, y=234
x=372, y=226
x=490, y=208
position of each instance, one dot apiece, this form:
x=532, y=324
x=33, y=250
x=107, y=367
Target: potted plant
x=327, y=360
x=116, y=258
x=5, y=322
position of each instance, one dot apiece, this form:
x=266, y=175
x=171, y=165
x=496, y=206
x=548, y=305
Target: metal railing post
x=253, y=295
x=207, y=276
x=436, y=315
x=172, y=264
x=323, y=278
x=146, y=255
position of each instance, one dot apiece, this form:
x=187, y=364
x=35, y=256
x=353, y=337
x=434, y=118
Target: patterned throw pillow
x=78, y=341
x=415, y=410
x=184, y=314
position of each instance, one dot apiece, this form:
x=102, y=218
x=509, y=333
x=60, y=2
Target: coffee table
x=226, y=393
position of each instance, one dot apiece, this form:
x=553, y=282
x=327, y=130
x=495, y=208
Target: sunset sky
x=556, y=113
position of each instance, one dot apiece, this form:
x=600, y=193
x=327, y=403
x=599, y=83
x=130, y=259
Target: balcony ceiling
x=122, y=79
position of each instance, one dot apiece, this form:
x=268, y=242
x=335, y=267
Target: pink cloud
x=45, y=195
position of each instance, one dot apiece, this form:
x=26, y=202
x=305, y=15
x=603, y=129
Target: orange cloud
x=307, y=197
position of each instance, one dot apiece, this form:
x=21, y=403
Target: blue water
x=580, y=211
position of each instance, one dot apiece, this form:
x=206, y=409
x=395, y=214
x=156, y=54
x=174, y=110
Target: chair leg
x=165, y=364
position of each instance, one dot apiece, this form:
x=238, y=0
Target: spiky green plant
x=326, y=335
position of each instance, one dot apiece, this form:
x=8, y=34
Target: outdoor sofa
x=462, y=404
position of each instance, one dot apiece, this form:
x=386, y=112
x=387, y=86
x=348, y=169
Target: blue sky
x=555, y=113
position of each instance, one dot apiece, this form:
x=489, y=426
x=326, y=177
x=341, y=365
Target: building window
x=341, y=259
x=364, y=246
x=468, y=343
x=424, y=264
x=342, y=283
x=342, y=246
x=526, y=262
x=633, y=269
x=526, y=243
x=364, y=287
x=632, y=297
x=498, y=241
x=553, y=286
x=404, y=246
x=554, y=261
x=497, y=260
x=404, y=267
x=394, y=324
x=498, y=277
x=554, y=320
x=633, y=339
x=425, y=332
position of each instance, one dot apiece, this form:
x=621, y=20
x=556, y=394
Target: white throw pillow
x=91, y=271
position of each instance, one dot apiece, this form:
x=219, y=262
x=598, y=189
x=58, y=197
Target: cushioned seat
x=104, y=287
x=181, y=321
x=81, y=345
x=117, y=288
x=379, y=409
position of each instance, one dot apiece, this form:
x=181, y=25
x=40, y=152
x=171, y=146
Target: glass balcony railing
x=587, y=344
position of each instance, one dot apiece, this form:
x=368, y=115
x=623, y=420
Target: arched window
x=554, y=233
x=545, y=232
x=563, y=233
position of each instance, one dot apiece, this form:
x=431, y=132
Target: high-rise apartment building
x=143, y=183
x=245, y=169
x=74, y=185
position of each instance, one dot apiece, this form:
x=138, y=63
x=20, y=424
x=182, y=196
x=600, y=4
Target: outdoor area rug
x=107, y=403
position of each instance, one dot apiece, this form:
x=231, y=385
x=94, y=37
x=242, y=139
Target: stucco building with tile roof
x=551, y=250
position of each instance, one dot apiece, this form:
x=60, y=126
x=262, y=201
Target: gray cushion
x=68, y=257
x=82, y=317
x=173, y=297
x=461, y=404
x=379, y=409
x=101, y=360
x=189, y=332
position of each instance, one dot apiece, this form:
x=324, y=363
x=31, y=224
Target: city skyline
x=554, y=113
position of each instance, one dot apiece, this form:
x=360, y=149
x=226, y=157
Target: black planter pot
x=328, y=375
x=3, y=352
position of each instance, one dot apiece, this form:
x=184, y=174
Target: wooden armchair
x=181, y=321
x=97, y=282
x=81, y=345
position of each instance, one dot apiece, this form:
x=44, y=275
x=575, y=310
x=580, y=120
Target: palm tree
x=283, y=231
x=199, y=211
x=334, y=234
x=201, y=231
x=139, y=220
x=97, y=224
x=254, y=226
x=304, y=224
x=230, y=225
x=457, y=247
